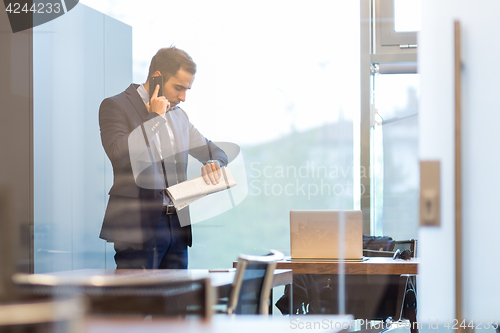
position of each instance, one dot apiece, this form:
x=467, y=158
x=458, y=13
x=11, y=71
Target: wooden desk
x=367, y=283
x=374, y=265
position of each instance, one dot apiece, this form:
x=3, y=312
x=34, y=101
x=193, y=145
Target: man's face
x=176, y=86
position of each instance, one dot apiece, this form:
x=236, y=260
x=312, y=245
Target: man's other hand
x=157, y=104
x=211, y=172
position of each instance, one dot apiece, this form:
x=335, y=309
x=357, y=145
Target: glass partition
x=281, y=80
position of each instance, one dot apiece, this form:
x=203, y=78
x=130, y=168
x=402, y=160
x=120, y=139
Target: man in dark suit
x=147, y=231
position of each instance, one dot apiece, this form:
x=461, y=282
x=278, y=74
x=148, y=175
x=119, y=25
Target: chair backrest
x=254, y=276
x=410, y=245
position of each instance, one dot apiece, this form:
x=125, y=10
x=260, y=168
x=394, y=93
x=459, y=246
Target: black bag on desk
x=377, y=243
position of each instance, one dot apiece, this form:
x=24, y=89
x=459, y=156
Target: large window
x=280, y=79
x=407, y=15
x=394, y=100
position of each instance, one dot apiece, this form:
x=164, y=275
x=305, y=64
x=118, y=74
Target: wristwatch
x=213, y=161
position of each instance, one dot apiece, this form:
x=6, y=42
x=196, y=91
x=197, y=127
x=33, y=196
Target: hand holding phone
x=153, y=82
x=157, y=102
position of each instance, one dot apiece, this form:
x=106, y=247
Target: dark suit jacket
x=133, y=212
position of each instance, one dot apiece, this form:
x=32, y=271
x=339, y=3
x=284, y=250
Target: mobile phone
x=155, y=80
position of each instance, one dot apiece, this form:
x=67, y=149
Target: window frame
x=389, y=46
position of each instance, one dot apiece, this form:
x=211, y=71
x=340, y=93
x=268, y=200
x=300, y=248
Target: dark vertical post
x=7, y=237
x=16, y=135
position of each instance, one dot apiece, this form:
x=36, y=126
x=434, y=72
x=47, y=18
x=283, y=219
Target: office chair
x=252, y=284
x=408, y=285
x=406, y=291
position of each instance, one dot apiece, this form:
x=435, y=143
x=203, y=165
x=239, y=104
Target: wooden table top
x=137, y=277
x=373, y=265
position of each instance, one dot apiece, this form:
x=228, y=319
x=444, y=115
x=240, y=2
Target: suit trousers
x=166, y=250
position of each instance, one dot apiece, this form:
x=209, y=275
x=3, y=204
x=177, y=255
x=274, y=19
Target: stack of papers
x=189, y=191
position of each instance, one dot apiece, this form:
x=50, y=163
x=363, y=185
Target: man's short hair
x=169, y=60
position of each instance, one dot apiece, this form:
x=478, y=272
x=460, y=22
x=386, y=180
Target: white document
x=189, y=191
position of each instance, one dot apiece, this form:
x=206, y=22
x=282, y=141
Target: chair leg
x=271, y=304
x=410, y=309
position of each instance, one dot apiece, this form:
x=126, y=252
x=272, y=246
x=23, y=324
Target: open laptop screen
x=319, y=234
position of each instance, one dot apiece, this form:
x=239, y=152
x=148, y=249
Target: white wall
x=480, y=126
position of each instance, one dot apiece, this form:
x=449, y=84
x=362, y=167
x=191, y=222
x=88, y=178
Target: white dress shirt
x=145, y=98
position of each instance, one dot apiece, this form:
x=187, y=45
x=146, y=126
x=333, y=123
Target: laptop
x=314, y=235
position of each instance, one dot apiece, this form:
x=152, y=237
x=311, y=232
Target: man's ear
x=157, y=73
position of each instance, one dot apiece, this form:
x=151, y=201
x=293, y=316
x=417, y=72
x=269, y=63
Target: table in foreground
x=221, y=281
x=223, y=323
x=135, y=286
